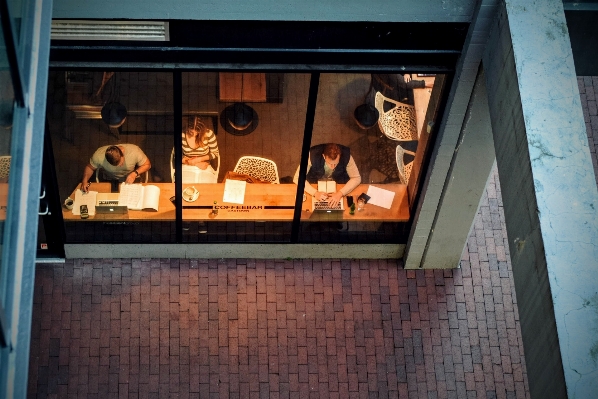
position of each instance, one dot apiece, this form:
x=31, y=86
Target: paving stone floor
x=247, y=328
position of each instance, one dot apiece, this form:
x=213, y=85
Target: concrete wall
x=549, y=195
x=295, y=10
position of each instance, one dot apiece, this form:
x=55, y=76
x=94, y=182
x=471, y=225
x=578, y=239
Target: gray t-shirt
x=134, y=157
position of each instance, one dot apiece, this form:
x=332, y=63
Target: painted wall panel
x=296, y=10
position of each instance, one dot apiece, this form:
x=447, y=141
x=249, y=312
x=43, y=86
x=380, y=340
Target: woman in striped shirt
x=199, y=145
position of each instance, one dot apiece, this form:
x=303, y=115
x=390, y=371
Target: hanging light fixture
x=366, y=115
x=113, y=113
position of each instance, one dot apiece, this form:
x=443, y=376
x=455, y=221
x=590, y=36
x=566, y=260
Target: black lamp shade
x=114, y=114
x=239, y=119
x=366, y=116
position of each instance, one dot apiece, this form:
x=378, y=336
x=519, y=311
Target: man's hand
x=85, y=186
x=335, y=198
x=320, y=196
x=131, y=178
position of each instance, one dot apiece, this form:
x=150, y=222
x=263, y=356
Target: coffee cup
x=68, y=203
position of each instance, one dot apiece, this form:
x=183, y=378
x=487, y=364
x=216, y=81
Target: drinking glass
x=360, y=204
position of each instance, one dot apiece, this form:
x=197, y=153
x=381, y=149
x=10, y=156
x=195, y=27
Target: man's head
x=331, y=155
x=114, y=155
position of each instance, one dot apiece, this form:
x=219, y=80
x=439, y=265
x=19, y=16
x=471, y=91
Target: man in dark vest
x=330, y=161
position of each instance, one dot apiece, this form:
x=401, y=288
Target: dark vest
x=316, y=172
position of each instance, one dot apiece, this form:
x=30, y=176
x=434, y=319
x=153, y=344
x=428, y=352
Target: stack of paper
x=234, y=191
x=380, y=197
x=88, y=199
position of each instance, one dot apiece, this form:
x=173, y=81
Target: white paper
x=88, y=199
x=130, y=195
x=234, y=191
x=380, y=197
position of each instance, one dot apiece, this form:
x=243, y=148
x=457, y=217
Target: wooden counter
x=263, y=202
x=421, y=98
x=3, y=200
x=399, y=211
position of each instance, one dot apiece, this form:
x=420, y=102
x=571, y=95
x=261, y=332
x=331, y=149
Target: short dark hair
x=113, y=155
x=332, y=151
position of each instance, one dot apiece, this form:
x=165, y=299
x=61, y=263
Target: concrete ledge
x=234, y=250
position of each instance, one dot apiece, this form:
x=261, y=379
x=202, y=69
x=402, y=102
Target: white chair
x=397, y=123
x=404, y=170
x=193, y=174
x=100, y=177
x=258, y=168
x=4, y=166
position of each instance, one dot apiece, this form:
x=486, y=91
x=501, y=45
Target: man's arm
x=354, y=177
x=87, y=173
x=308, y=187
x=138, y=170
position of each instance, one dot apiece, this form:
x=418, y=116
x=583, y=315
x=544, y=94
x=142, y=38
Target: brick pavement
x=151, y=328
x=588, y=87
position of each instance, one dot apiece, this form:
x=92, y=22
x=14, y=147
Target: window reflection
x=7, y=101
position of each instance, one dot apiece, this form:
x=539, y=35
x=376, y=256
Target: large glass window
x=251, y=128
x=90, y=111
x=365, y=156
x=7, y=101
x=237, y=149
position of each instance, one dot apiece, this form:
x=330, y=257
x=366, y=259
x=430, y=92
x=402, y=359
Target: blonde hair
x=196, y=129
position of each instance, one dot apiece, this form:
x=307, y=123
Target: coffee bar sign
x=239, y=208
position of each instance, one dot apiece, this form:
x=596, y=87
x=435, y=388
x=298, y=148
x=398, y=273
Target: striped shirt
x=209, y=146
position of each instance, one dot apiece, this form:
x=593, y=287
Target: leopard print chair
x=397, y=123
x=404, y=170
x=258, y=168
x=4, y=167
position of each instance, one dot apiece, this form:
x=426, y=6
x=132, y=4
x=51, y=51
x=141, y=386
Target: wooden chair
x=101, y=177
x=258, y=168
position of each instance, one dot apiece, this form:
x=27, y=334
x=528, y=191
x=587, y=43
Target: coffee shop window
x=237, y=150
x=129, y=115
x=241, y=141
x=368, y=144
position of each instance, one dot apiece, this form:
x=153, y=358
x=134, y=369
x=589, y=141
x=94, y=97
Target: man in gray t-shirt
x=123, y=162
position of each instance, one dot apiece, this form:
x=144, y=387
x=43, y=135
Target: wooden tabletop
x=421, y=97
x=247, y=87
x=3, y=200
x=263, y=202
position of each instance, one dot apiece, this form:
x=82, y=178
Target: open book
x=327, y=186
x=138, y=197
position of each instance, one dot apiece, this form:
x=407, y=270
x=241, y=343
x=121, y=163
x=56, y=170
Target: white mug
x=68, y=203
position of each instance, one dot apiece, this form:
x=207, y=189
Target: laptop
x=324, y=206
x=326, y=186
x=107, y=204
